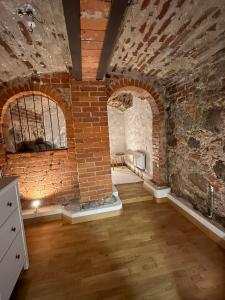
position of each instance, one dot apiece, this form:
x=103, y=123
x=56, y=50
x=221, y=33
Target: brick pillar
x=159, y=151
x=89, y=104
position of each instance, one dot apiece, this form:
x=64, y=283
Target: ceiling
x=161, y=37
x=158, y=37
x=44, y=50
x=94, y=19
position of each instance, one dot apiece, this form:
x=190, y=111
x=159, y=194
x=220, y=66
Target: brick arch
x=10, y=95
x=144, y=91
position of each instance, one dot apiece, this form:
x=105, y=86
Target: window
x=34, y=123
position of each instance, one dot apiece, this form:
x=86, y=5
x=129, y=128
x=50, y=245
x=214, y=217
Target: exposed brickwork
x=144, y=91
x=82, y=170
x=51, y=176
x=164, y=37
x=89, y=102
x=94, y=19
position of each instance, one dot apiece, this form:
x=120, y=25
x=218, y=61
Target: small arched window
x=34, y=123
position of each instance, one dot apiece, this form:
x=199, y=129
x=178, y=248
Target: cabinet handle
x=13, y=229
x=9, y=204
x=17, y=256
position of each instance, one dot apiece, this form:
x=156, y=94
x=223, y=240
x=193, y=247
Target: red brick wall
x=50, y=176
x=81, y=171
x=89, y=104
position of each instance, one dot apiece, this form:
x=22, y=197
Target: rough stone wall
x=122, y=101
x=178, y=47
x=196, y=137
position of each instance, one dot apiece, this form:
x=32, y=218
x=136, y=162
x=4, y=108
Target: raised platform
x=92, y=214
x=160, y=193
x=73, y=213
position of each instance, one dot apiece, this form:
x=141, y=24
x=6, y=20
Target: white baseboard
x=41, y=212
x=58, y=209
x=199, y=218
x=158, y=192
x=115, y=191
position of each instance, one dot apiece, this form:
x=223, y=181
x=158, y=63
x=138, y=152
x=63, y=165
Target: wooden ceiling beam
x=117, y=13
x=72, y=17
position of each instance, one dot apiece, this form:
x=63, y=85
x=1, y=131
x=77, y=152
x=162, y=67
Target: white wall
x=132, y=130
x=116, y=130
x=138, y=129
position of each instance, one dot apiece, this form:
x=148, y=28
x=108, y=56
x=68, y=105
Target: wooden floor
x=133, y=192
x=149, y=252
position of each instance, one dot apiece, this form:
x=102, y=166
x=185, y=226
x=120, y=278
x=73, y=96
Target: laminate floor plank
x=150, y=252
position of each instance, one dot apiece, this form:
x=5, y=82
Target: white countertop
x=5, y=181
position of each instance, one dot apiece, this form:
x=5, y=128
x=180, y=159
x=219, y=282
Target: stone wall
x=196, y=137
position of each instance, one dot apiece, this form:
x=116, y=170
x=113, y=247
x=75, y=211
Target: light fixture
x=35, y=204
x=28, y=11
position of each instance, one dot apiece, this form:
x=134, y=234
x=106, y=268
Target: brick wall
x=50, y=176
x=89, y=104
x=83, y=170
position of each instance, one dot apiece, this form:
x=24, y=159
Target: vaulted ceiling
x=157, y=38
x=160, y=38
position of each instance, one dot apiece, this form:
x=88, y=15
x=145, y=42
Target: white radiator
x=140, y=160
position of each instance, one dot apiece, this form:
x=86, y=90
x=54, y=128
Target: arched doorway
x=144, y=92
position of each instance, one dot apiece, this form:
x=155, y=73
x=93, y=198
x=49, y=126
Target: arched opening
x=142, y=92
x=33, y=123
x=126, y=121
x=50, y=176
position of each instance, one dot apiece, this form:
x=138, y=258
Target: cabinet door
x=11, y=266
x=8, y=232
x=8, y=203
